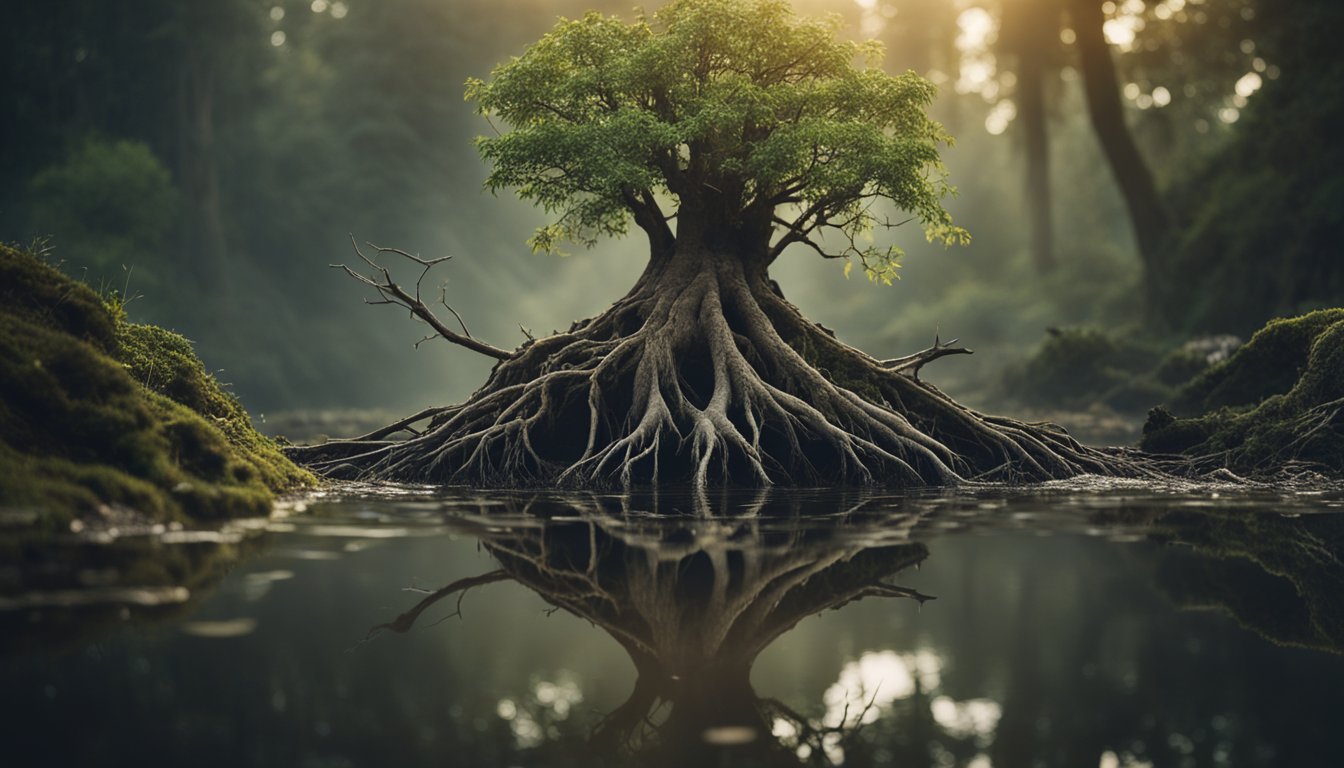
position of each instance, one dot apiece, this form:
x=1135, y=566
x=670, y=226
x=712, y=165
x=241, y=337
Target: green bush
x=110, y=204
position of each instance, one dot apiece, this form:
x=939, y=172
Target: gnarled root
x=705, y=375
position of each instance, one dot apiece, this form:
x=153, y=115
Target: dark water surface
x=1073, y=625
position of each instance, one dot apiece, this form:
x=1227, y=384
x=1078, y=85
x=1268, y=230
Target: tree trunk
x=1146, y=212
x=1028, y=32
x=198, y=173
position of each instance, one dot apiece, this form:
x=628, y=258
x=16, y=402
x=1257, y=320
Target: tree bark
x=1146, y=213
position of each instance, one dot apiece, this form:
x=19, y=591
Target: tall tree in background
x=217, y=47
x=1146, y=211
x=1030, y=30
x=919, y=35
x=1261, y=231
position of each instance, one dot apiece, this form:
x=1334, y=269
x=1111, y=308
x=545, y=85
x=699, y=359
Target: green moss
x=1271, y=363
x=1323, y=379
x=1257, y=418
x=164, y=362
x=95, y=410
x=39, y=293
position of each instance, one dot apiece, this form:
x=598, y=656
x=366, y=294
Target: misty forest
x=760, y=382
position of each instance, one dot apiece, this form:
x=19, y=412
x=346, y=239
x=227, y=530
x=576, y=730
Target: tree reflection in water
x=693, y=601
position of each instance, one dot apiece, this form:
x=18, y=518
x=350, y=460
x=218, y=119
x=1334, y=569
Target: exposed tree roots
x=704, y=374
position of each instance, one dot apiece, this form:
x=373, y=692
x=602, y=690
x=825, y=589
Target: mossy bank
x=1277, y=403
x=99, y=413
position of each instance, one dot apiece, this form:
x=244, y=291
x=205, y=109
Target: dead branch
x=392, y=293
x=910, y=364
x=404, y=425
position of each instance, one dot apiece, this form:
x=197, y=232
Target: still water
x=1064, y=625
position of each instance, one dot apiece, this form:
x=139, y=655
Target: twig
x=391, y=293
x=912, y=363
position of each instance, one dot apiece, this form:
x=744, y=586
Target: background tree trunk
x=1146, y=212
x=1027, y=35
x=198, y=172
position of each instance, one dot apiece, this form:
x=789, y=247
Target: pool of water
x=1064, y=625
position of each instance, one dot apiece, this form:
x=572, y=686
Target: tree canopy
x=761, y=122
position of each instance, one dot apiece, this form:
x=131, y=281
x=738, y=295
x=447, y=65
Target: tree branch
x=401, y=425
x=649, y=217
x=392, y=293
x=912, y=363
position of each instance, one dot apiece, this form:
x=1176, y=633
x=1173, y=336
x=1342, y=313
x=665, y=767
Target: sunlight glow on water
x=878, y=678
x=974, y=718
x=533, y=718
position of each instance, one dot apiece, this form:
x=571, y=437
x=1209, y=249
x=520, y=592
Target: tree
x=1146, y=211
x=1029, y=34
x=752, y=131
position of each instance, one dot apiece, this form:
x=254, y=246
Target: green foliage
x=79, y=428
x=1254, y=426
x=1180, y=367
x=108, y=204
x=735, y=107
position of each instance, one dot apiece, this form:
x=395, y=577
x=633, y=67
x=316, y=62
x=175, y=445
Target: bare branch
x=403, y=424
x=392, y=293
x=649, y=217
x=891, y=590
x=810, y=243
x=910, y=364
x=443, y=299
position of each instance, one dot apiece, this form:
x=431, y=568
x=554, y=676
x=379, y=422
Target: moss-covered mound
x=1278, y=401
x=96, y=411
x=1269, y=364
